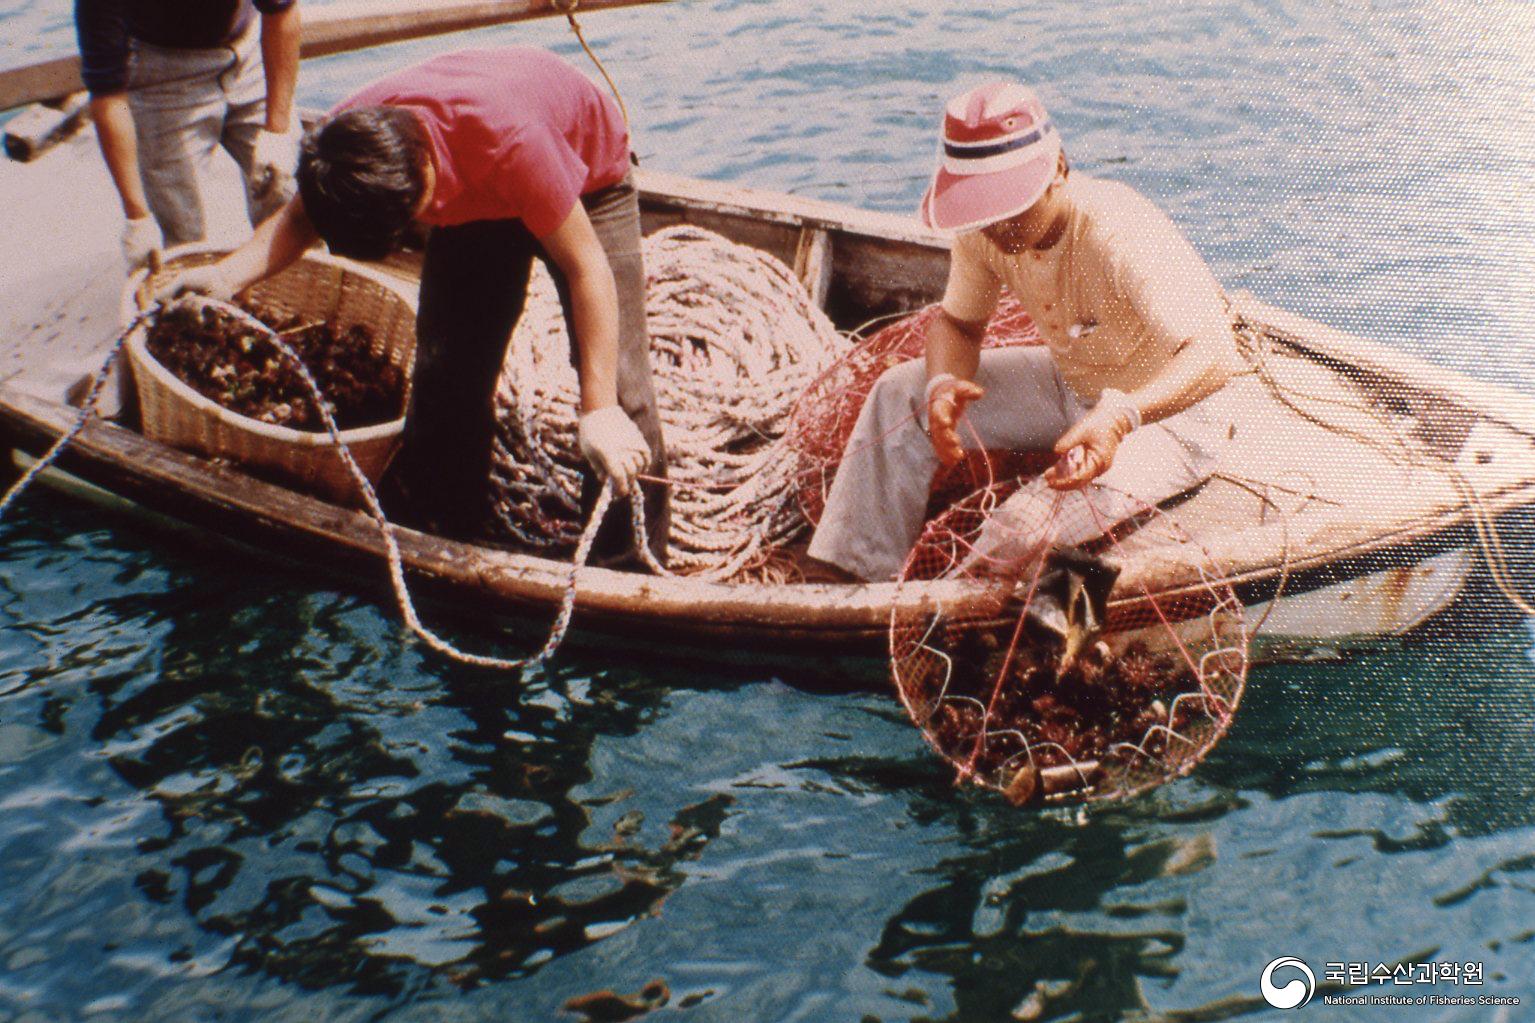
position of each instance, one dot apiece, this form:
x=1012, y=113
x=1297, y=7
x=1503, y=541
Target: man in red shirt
x=507, y=154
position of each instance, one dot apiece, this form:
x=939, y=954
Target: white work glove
x=140, y=237
x=612, y=444
x=207, y=280
x=274, y=161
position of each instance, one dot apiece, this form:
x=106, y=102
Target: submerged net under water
x=1038, y=673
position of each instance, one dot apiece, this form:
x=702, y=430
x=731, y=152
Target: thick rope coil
x=735, y=340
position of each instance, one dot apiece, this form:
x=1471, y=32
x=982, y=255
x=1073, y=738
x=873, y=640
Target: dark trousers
x=474, y=283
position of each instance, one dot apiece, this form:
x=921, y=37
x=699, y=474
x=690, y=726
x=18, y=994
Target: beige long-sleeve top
x=1115, y=298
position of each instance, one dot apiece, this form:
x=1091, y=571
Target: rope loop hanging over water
x=375, y=510
x=365, y=488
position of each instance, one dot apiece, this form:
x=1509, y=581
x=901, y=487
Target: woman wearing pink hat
x=1137, y=332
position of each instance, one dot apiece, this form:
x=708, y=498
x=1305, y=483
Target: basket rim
x=139, y=353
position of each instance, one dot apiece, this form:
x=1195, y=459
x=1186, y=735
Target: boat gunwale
x=825, y=613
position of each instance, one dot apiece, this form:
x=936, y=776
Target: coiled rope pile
x=734, y=340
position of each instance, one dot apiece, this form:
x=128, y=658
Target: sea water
x=230, y=792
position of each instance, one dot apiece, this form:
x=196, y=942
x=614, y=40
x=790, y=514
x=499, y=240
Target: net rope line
x=979, y=748
x=1489, y=543
x=374, y=509
x=734, y=341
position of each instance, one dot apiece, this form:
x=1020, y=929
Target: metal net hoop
x=1131, y=698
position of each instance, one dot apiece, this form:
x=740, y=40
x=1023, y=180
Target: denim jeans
x=474, y=283
x=187, y=103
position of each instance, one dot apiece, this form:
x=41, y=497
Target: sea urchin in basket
x=213, y=383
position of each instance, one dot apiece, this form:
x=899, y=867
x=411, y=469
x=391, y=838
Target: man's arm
x=608, y=437
x=578, y=253
x=954, y=338
x=953, y=354
x=1201, y=367
x=120, y=148
x=275, y=245
x=102, y=35
x=1174, y=293
x=280, y=32
x=953, y=346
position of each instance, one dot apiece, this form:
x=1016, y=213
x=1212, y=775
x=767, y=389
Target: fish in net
x=1066, y=646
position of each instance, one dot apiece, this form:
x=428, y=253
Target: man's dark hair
x=361, y=175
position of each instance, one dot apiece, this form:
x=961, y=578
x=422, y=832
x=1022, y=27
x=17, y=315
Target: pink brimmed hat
x=998, y=157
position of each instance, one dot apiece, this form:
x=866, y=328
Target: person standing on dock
x=1136, y=332
x=508, y=155
x=172, y=80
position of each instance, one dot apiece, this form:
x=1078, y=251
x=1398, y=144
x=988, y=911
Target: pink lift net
x=1053, y=668
x=1052, y=646
x=823, y=417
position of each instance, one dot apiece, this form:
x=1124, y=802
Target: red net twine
x=824, y=416
x=1064, y=646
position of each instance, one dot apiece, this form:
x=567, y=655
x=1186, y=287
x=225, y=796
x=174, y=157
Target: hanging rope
x=402, y=596
x=734, y=340
x=87, y=412
x=568, y=8
x=371, y=502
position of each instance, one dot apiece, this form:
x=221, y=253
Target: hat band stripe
x=981, y=152
x=1047, y=146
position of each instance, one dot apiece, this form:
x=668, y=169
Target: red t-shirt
x=515, y=134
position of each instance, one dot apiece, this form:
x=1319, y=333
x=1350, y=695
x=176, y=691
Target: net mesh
x=824, y=415
x=1011, y=657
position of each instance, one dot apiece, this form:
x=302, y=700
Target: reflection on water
x=228, y=793
x=226, y=797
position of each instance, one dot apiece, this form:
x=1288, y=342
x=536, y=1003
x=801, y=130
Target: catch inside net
x=1066, y=646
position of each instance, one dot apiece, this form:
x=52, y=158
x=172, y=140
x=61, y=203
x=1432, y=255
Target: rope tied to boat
x=1390, y=442
x=366, y=490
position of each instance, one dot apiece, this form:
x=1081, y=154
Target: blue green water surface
x=230, y=792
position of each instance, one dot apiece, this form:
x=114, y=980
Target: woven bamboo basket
x=318, y=287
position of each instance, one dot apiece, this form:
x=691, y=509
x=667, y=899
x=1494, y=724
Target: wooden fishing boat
x=1358, y=499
